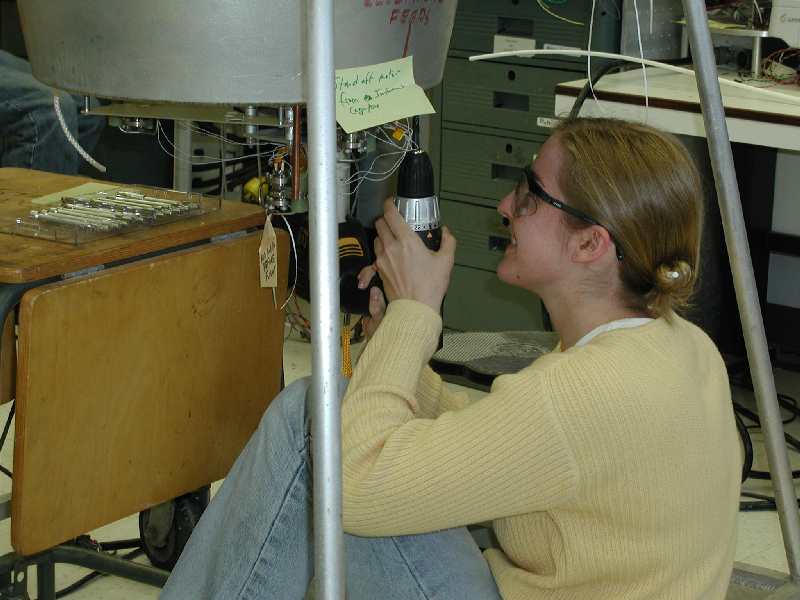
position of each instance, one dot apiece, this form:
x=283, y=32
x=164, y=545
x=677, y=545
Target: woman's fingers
x=377, y=309
x=377, y=303
x=365, y=275
x=395, y=221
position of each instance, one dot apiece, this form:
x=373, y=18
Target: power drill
x=418, y=205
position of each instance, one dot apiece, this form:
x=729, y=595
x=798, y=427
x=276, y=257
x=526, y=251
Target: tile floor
x=758, y=543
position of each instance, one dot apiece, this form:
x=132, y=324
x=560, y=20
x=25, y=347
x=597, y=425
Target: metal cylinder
x=743, y=278
x=325, y=357
x=210, y=52
x=181, y=164
x=755, y=66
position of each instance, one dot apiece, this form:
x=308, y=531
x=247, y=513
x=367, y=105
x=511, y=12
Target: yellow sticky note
x=377, y=94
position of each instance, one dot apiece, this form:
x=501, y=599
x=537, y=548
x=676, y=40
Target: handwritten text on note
x=376, y=94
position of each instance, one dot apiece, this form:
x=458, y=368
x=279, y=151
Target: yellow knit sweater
x=609, y=471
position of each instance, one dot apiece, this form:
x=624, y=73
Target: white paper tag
x=268, y=257
x=548, y=122
x=509, y=43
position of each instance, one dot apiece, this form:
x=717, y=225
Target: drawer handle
x=515, y=27
x=506, y=173
x=498, y=243
x=511, y=101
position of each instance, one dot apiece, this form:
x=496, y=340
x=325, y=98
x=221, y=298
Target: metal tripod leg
x=743, y=278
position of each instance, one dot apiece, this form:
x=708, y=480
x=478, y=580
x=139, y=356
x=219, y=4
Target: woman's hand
x=408, y=269
x=377, y=303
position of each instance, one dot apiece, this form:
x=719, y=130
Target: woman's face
x=537, y=254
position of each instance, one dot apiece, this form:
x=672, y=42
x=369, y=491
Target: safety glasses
x=529, y=191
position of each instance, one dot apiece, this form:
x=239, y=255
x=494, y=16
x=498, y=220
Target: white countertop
x=752, y=117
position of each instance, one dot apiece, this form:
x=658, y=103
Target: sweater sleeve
x=433, y=397
x=503, y=455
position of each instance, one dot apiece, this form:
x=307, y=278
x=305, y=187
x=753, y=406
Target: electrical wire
x=191, y=159
x=3, y=437
x=296, y=268
x=763, y=502
x=747, y=444
x=559, y=17
x=584, y=93
x=71, y=139
x=641, y=54
x=794, y=100
x=589, y=57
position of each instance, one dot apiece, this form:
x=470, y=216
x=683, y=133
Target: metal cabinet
x=492, y=118
x=481, y=166
x=478, y=301
x=562, y=25
x=502, y=95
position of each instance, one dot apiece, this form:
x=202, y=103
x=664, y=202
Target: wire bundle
x=762, y=502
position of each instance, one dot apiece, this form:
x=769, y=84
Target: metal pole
x=743, y=279
x=181, y=165
x=326, y=359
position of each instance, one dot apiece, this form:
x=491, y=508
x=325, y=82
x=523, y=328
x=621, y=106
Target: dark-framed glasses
x=529, y=191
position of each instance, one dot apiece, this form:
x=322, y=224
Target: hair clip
x=673, y=274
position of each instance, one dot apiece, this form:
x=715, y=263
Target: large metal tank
x=220, y=52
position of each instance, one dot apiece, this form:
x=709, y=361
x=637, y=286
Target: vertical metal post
x=46, y=580
x=326, y=359
x=182, y=166
x=743, y=279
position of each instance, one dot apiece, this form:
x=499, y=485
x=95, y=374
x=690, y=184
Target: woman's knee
x=287, y=414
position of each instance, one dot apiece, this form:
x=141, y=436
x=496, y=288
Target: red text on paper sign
x=400, y=14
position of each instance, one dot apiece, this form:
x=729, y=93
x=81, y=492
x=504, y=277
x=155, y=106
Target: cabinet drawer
x=483, y=167
x=478, y=301
x=478, y=21
x=500, y=95
x=481, y=236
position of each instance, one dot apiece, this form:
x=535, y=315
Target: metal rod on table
x=325, y=357
x=743, y=279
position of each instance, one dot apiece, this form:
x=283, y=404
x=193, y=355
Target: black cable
x=763, y=503
x=604, y=70
x=584, y=93
x=3, y=437
x=750, y=415
x=747, y=442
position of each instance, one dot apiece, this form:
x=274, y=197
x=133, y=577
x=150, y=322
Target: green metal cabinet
x=501, y=95
x=479, y=21
x=483, y=167
x=480, y=232
x=492, y=118
x=478, y=301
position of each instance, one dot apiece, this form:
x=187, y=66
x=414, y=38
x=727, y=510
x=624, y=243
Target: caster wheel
x=165, y=529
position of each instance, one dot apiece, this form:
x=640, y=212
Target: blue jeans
x=255, y=539
x=30, y=134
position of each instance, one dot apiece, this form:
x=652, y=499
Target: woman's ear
x=590, y=244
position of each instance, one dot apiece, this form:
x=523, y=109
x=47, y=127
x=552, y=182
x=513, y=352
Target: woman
x=609, y=468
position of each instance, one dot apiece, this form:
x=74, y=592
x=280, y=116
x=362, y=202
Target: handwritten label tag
x=377, y=94
x=268, y=257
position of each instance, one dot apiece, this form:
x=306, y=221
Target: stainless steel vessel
x=236, y=52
